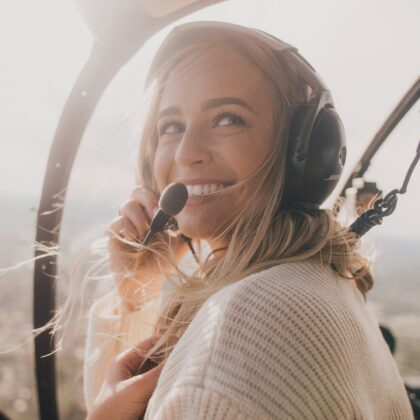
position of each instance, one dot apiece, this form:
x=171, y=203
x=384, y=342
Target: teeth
x=194, y=190
x=197, y=190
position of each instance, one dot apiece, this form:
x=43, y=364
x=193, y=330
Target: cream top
x=291, y=342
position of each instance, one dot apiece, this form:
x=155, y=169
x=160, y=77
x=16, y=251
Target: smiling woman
x=272, y=324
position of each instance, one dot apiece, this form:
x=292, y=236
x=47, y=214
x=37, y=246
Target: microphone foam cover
x=173, y=198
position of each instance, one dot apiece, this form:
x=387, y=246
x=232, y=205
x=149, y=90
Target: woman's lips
x=196, y=201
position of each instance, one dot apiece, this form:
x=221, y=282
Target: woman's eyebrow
x=173, y=110
x=213, y=103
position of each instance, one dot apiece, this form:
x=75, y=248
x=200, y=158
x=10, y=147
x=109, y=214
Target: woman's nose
x=192, y=149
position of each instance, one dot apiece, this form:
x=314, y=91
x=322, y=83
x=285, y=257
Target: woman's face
x=215, y=128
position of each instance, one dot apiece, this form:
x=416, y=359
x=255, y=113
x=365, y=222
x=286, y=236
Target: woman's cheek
x=245, y=153
x=161, y=168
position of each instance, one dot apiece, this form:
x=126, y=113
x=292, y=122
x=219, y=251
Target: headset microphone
x=171, y=202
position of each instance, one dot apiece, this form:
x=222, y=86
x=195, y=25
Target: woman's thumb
x=142, y=386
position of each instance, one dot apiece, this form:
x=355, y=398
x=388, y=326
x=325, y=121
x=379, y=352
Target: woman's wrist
x=132, y=292
x=139, y=298
x=128, y=307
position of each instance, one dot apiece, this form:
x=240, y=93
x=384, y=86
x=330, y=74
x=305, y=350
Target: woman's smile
x=201, y=191
x=199, y=194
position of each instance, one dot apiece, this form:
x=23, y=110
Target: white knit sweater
x=291, y=342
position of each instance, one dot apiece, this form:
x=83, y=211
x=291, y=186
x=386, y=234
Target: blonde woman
x=272, y=324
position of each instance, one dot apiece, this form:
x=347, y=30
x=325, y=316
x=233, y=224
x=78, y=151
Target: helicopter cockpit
x=93, y=62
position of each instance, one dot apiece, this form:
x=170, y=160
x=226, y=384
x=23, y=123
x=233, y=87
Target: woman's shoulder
x=306, y=296
x=309, y=282
x=304, y=301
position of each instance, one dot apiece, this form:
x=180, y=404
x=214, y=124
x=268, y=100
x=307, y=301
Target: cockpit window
x=44, y=46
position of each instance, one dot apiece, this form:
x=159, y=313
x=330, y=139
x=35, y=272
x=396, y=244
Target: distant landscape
x=394, y=301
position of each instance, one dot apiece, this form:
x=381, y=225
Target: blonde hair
x=260, y=237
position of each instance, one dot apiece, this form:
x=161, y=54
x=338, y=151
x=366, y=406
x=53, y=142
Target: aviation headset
x=316, y=151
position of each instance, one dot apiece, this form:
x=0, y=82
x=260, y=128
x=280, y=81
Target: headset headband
x=192, y=32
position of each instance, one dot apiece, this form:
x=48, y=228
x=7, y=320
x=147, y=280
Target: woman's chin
x=197, y=228
x=195, y=232
x=206, y=221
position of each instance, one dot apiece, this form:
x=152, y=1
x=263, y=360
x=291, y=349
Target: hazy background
x=367, y=52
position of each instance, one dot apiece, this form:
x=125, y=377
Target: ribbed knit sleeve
x=292, y=342
x=107, y=335
x=194, y=403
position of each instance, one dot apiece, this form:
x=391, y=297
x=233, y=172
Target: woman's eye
x=225, y=119
x=170, y=128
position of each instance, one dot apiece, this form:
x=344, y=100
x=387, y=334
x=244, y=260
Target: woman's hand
x=132, y=224
x=126, y=392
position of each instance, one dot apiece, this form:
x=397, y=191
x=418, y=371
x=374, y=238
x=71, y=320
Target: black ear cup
x=313, y=171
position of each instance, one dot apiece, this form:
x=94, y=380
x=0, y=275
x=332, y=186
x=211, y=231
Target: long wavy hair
x=260, y=237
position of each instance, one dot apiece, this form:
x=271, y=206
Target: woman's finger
x=126, y=399
x=122, y=226
x=141, y=386
x=134, y=212
x=147, y=198
x=127, y=363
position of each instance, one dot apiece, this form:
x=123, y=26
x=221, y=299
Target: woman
x=273, y=324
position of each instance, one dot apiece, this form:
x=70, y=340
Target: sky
x=366, y=51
